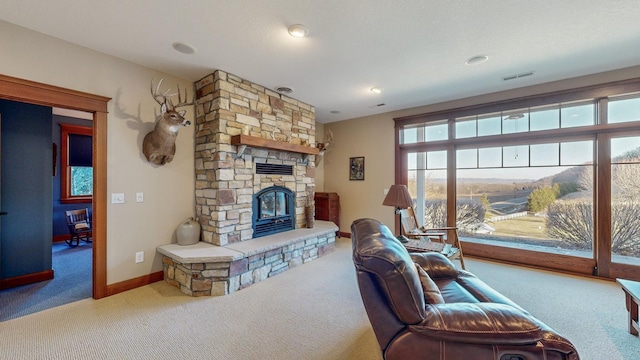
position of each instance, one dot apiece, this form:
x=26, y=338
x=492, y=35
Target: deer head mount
x=323, y=146
x=328, y=139
x=159, y=145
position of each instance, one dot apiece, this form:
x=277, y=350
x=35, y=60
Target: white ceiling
x=414, y=49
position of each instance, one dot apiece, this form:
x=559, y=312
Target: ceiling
x=414, y=49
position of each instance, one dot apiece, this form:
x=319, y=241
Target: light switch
x=117, y=198
x=139, y=197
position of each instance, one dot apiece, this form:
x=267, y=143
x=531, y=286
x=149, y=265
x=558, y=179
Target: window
x=548, y=180
x=625, y=199
x=76, y=164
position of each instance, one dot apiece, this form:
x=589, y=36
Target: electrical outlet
x=117, y=198
x=139, y=197
x=139, y=257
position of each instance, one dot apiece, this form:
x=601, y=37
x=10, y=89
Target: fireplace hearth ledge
x=205, y=269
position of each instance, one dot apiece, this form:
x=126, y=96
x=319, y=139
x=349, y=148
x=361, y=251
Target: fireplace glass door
x=273, y=211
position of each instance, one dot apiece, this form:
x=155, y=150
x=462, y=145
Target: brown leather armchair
x=421, y=307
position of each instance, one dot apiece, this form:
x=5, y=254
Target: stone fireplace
x=254, y=163
x=231, y=113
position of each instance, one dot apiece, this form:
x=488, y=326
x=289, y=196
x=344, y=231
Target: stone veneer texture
x=225, y=183
x=222, y=278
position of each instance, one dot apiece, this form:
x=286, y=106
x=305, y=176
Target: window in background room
x=76, y=163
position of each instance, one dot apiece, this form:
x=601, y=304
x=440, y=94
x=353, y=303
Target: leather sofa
x=422, y=307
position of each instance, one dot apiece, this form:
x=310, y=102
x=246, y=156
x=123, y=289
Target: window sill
x=77, y=200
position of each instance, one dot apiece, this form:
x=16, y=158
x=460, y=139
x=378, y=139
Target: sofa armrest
x=479, y=323
x=435, y=264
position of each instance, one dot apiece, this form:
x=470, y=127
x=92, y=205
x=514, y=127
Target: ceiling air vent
x=274, y=169
x=283, y=89
x=511, y=77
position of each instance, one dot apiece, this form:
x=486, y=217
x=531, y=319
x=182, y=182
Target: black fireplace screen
x=273, y=211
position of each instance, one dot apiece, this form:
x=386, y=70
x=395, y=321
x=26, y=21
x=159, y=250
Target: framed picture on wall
x=356, y=168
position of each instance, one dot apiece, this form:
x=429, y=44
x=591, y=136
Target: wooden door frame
x=47, y=95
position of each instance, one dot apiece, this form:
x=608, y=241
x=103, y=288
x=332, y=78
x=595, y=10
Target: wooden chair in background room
x=443, y=239
x=79, y=225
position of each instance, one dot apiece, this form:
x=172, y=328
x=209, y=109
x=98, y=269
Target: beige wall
x=168, y=190
x=373, y=136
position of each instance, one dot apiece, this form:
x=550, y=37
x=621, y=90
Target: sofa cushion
x=431, y=292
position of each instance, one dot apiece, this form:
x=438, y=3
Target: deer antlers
x=164, y=98
x=328, y=138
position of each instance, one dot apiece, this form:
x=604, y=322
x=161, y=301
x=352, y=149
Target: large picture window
x=548, y=180
x=76, y=163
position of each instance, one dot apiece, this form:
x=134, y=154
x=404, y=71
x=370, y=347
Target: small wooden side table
x=632, y=294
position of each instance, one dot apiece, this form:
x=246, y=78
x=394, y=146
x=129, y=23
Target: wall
x=168, y=190
x=373, y=137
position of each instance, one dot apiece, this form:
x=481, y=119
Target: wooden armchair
x=442, y=239
x=79, y=225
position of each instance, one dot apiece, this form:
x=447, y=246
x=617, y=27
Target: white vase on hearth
x=188, y=232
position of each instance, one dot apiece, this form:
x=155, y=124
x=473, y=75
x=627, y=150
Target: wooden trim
x=587, y=92
x=130, y=284
x=546, y=260
x=99, y=225
x=65, y=237
x=60, y=238
x=259, y=142
x=26, y=279
x=65, y=169
x=346, y=234
x=41, y=94
x=532, y=137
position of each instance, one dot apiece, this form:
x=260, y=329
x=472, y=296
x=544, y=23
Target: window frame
x=601, y=264
x=65, y=173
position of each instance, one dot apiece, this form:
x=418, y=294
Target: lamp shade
x=398, y=196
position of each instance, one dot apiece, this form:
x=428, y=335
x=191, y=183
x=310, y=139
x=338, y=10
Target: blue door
x=25, y=189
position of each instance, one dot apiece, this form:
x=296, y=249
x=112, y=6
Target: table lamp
x=398, y=197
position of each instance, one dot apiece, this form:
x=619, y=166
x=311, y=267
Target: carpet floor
x=71, y=282
x=311, y=312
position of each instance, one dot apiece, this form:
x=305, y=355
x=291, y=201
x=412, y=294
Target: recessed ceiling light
x=376, y=90
x=298, y=30
x=184, y=48
x=476, y=60
x=283, y=89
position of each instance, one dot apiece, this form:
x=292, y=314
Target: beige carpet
x=310, y=312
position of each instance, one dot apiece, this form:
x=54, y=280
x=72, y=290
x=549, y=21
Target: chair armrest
x=435, y=264
x=444, y=228
x=432, y=233
x=479, y=323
